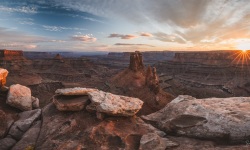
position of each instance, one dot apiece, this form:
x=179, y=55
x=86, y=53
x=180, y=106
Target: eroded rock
x=212, y=118
x=19, y=97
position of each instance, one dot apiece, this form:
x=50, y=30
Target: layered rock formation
x=225, y=119
x=75, y=99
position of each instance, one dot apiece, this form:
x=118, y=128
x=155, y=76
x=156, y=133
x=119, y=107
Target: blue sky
x=124, y=25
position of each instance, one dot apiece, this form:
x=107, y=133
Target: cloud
x=22, y=9
x=128, y=44
x=122, y=36
x=84, y=38
x=146, y=34
x=169, y=38
x=181, y=21
x=60, y=28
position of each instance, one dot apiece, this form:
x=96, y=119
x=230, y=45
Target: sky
x=124, y=25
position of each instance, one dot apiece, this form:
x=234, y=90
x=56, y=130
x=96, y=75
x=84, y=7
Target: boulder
x=70, y=103
x=115, y=105
x=19, y=97
x=74, y=91
x=226, y=119
x=29, y=138
x=153, y=141
x=3, y=76
x=35, y=102
x=23, y=123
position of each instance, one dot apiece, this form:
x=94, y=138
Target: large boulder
x=115, y=105
x=19, y=97
x=227, y=119
x=3, y=76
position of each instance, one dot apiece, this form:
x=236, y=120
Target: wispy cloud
x=84, y=38
x=122, y=36
x=169, y=38
x=22, y=9
x=60, y=28
x=128, y=44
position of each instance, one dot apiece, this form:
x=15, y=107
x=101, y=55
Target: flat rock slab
x=115, y=105
x=227, y=119
x=74, y=91
x=70, y=102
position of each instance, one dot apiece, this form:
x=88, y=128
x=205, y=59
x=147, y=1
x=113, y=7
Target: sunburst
x=241, y=57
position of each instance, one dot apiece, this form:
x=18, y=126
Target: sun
x=244, y=46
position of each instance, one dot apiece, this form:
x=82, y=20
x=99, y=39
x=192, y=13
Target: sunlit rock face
x=3, y=76
x=226, y=119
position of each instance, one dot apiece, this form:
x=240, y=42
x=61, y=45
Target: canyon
x=155, y=79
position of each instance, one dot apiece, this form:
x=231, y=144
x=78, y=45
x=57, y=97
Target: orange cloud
x=146, y=34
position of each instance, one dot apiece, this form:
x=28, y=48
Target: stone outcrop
x=136, y=62
x=19, y=97
x=226, y=119
x=3, y=76
x=115, y=105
